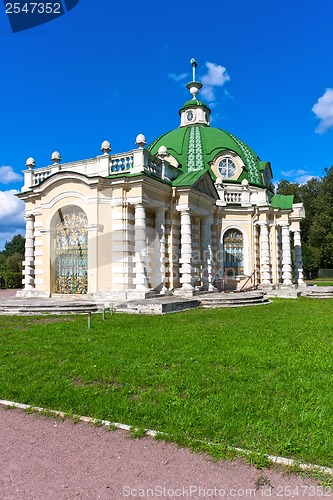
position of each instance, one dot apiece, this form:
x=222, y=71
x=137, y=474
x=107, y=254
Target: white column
x=208, y=253
x=29, y=256
x=93, y=238
x=265, y=261
x=160, y=227
x=140, y=280
x=298, y=257
x=286, y=255
x=186, y=251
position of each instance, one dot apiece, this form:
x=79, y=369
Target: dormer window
x=227, y=168
x=227, y=165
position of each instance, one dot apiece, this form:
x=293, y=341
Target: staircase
x=31, y=306
x=233, y=299
x=319, y=292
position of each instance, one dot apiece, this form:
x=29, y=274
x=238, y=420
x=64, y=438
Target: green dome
x=195, y=147
x=194, y=103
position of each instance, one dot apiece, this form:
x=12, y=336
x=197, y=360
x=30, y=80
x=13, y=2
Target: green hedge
x=11, y=280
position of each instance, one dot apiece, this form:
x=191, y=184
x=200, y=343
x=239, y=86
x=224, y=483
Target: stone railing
x=239, y=194
x=40, y=175
x=132, y=162
x=141, y=160
x=233, y=197
x=120, y=163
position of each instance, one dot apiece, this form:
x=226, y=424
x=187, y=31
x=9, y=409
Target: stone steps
x=233, y=299
x=319, y=292
x=27, y=307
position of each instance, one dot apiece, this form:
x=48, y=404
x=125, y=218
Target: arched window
x=233, y=252
x=71, y=249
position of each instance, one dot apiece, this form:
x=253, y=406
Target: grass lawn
x=320, y=282
x=258, y=378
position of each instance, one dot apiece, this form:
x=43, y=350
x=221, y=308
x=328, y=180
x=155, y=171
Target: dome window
x=227, y=168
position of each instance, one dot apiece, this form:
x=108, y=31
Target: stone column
x=208, y=253
x=160, y=227
x=265, y=260
x=298, y=257
x=140, y=280
x=29, y=256
x=186, y=252
x=286, y=256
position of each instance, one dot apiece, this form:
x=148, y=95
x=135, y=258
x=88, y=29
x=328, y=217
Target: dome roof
x=194, y=103
x=195, y=148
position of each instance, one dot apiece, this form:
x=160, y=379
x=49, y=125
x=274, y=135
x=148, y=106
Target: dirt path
x=48, y=459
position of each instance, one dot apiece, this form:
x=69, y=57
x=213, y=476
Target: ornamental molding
x=64, y=196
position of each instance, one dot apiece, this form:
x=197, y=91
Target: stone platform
x=31, y=306
x=233, y=299
x=319, y=292
x=78, y=304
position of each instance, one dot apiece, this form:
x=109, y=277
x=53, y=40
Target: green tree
x=15, y=245
x=14, y=263
x=11, y=263
x=286, y=187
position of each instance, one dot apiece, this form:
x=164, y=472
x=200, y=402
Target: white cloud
x=216, y=76
x=8, y=175
x=11, y=212
x=300, y=176
x=177, y=78
x=323, y=109
x=11, y=216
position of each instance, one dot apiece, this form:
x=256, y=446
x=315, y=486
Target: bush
x=11, y=280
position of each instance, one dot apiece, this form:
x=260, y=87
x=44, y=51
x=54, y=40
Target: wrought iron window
x=233, y=252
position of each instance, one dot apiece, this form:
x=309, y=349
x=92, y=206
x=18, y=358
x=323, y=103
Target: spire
x=194, y=86
x=194, y=112
x=194, y=65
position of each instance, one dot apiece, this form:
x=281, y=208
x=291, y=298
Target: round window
x=227, y=167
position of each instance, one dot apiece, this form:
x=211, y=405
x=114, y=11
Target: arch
x=70, y=244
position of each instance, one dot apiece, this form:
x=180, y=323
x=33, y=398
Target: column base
x=27, y=293
x=184, y=292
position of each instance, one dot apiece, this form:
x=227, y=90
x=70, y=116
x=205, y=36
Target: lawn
x=258, y=378
x=320, y=282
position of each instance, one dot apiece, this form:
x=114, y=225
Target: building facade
x=194, y=210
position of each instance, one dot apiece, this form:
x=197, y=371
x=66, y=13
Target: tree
x=15, y=245
x=286, y=187
x=317, y=227
x=11, y=263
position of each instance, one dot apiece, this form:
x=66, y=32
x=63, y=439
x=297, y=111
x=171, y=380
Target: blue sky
x=111, y=70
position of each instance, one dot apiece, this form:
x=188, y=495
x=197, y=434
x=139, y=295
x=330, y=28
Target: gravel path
x=49, y=459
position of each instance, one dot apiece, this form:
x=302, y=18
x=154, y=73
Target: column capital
x=284, y=223
x=183, y=208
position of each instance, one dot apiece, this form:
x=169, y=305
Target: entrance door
x=71, y=249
